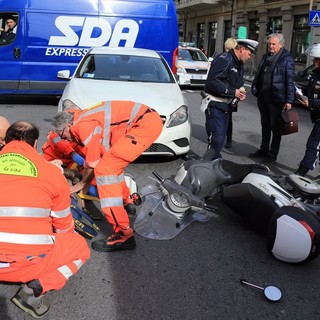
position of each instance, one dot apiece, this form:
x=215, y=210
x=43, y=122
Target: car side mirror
x=64, y=74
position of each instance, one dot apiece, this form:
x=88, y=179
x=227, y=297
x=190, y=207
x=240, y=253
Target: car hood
x=193, y=64
x=164, y=98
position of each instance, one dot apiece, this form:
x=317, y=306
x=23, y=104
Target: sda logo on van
x=125, y=32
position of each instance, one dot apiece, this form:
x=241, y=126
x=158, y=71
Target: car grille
x=157, y=147
x=197, y=71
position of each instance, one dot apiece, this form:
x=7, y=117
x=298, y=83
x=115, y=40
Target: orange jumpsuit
x=37, y=237
x=57, y=148
x=115, y=133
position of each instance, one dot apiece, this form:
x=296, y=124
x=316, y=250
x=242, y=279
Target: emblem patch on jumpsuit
x=18, y=165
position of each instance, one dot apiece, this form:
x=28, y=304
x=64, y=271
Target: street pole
x=311, y=34
x=233, y=18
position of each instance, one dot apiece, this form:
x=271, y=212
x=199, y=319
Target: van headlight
x=178, y=117
x=68, y=104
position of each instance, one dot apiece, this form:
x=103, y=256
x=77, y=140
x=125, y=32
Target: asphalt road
x=196, y=275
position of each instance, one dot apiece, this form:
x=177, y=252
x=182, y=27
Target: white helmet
x=315, y=51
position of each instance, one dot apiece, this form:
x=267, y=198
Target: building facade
x=208, y=23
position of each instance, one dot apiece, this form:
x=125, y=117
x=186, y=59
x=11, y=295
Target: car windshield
x=192, y=55
x=124, y=68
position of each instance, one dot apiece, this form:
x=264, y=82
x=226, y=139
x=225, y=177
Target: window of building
x=201, y=28
x=212, y=38
x=274, y=25
x=227, y=29
x=8, y=27
x=254, y=29
x=301, y=38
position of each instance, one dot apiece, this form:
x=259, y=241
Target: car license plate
x=197, y=76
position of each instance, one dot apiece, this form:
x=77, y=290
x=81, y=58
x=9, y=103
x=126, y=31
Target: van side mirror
x=64, y=74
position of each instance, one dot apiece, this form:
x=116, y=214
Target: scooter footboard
x=252, y=204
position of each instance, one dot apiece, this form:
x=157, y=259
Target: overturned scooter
x=171, y=204
x=292, y=227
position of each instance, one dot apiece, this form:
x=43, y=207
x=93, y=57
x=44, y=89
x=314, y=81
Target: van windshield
x=8, y=27
x=120, y=67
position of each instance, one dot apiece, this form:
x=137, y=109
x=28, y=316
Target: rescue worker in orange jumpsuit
x=4, y=125
x=69, y=152
x=113, y=133
x=38, y=244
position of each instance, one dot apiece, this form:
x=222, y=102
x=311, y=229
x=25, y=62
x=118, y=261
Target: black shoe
x=25, y=299
x=270, y=158
x=118, y=241
x=131, y=209
x=258, y=154
x=302, y=170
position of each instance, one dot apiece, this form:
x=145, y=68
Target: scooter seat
x=255, y=207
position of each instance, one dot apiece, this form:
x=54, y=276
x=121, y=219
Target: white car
x=140, y=75
x=192, y=66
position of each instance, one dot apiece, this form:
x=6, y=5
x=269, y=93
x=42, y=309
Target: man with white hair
x=274, y=88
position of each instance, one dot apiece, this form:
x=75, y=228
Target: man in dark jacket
x=9, y=33
x=273, y=86
x=311, y=99
x=223, y=85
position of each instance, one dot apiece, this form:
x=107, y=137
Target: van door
x=10, y=52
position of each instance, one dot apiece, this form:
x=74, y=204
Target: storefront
x=208, y=26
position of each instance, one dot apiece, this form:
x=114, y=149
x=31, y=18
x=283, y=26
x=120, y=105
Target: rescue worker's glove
x=77, y=159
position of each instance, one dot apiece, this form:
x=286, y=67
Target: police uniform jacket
x=225, y=76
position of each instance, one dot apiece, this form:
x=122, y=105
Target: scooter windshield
x=157, y=221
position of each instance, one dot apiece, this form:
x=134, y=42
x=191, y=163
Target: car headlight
x=181, y=70
x=178, y=117
x=68, y=104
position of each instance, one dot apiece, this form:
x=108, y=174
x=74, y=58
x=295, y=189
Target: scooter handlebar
x=157, y=175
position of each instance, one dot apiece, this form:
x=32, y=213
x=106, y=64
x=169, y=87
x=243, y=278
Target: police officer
x=223, y=85
x=312, y=93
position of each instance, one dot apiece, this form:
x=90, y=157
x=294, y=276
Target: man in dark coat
x=274, y=87
x=9, y=33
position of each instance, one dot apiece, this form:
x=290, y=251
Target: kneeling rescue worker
x=113, y=134
x=38, y=244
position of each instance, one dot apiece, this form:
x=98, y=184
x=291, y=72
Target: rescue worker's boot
x=122, y=240
x=302, y=170
x=30, y=300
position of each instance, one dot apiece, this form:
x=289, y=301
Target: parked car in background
x=139, y=75
x=192, y=66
